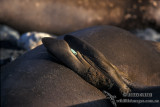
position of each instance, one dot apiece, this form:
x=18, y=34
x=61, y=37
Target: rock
x=9, y=34
x=31, y=40
x=148, y=34
x=8, y=42
x=9, y=52
x=8, y=55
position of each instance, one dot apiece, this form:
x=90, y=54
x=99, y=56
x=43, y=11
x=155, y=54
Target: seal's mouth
x=86, y=61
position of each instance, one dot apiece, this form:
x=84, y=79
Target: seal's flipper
x=93, y=56
x=61, y=50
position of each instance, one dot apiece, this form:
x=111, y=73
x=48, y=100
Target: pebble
x=9, y=34
x=148, y=34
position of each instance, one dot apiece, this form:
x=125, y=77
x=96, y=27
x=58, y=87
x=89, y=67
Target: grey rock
x=9, y=50
x=31, y=40
x=8, y=55
x=147, y=34
x=9, y=34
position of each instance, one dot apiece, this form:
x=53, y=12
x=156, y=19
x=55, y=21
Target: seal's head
x=86, y=61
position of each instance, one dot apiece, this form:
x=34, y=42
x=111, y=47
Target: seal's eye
x=73, y=51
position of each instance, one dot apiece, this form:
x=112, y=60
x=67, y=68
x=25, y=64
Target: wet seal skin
x=87, y=62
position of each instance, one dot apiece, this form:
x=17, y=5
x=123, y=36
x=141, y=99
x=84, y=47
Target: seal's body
x=36, y=79
x=63, y=16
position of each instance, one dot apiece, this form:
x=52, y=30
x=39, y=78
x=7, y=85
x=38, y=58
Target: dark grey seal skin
x=37, y=79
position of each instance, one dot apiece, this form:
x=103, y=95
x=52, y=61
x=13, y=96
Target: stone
x=9, y=34
x=148, y=34
x=31, y=40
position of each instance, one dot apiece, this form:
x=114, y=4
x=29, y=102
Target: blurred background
x=24, y=23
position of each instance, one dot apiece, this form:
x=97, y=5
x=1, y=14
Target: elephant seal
x=61, y=16
x=36, y=79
